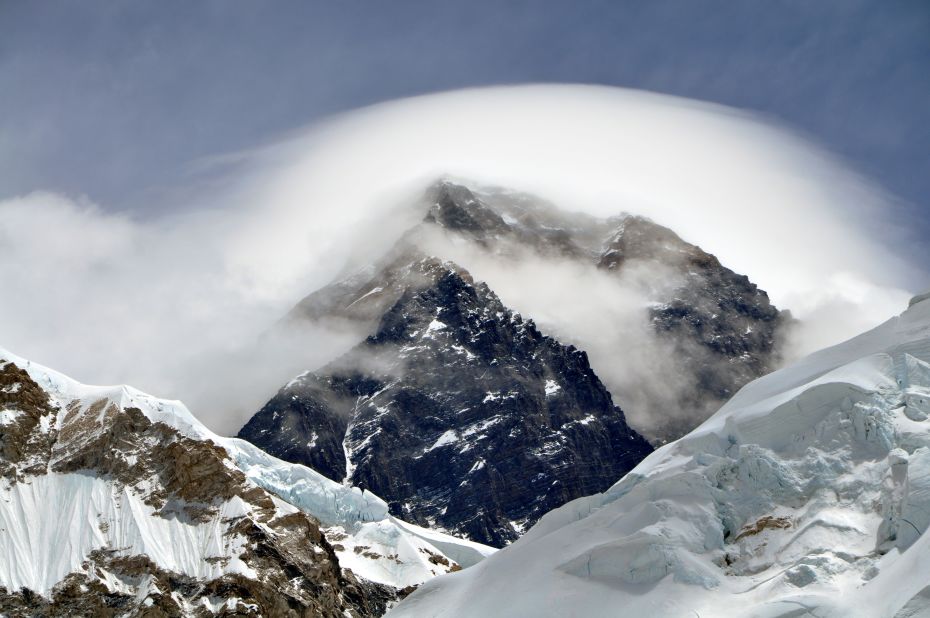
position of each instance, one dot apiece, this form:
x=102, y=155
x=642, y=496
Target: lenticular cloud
x=174, y=304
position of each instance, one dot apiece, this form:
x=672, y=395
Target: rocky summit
x=719, y=327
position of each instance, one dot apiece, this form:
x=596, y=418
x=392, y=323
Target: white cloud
x=108, y=298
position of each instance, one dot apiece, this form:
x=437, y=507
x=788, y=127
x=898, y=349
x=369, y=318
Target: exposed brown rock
x=24, y=447
x=767, y=522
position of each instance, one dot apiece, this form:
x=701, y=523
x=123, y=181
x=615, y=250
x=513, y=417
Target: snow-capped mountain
x=113, y=502
x=716, y=329
x=464, y=415
x=458, y=409
x=807, y=494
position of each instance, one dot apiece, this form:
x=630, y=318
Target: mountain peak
x=462, y=412
x=455, y=207
x=640, y=238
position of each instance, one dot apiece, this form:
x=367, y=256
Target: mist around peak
x=174, y=303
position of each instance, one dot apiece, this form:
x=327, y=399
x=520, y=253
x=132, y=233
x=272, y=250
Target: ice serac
x=113, y=501
x=457, y=409
x=806, y=495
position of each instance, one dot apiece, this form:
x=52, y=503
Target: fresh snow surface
x=408, y=549
x=552, y=388
x=808, y=494
x=8, y=416
x=448, y=437
x=50, y=523
x=434, y=326
x=370, y=292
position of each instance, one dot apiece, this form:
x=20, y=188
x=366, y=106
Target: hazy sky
x=114, y=100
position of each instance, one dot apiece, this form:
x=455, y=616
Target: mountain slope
x=460, y=411
x=709, y=327
x=805, y=495
x=114, y=501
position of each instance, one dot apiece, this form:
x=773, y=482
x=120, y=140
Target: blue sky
x=114, y=100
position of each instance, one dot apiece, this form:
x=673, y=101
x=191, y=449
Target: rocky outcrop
x=167, y=593
x=23, y=406
x=807, y=494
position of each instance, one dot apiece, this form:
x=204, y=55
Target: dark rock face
x=305, y=423
x=722, y=326
x=456, y=207
x=458, y=411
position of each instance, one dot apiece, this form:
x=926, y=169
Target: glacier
x=807, y=494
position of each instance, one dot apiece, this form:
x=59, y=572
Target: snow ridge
x=54, y=521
